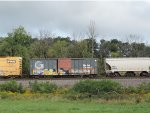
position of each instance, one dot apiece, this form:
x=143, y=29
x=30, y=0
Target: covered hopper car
x=63, y=66
x=127, y=66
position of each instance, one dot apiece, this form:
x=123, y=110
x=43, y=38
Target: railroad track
x=71, y=78
x=69, y=82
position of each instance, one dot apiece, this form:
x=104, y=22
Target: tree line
x=20, y=43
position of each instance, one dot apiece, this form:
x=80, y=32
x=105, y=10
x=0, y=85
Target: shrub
x=97, y=87
x=131, y=90
x=138, y=100
x=44, y=87
x=147, y=100
x=112, y=95
x=144, y=88
x=12, y=86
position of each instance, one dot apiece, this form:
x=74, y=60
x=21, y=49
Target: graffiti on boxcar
x=41, y=70
x=38, y=68
x=62, y=71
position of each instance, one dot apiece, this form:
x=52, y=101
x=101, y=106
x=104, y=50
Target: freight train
x=12, y=67
x=50, y=67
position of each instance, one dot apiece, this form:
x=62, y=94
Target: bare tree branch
x=92, y=34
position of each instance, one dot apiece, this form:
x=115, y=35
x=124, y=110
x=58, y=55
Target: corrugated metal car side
x=43, y=67
x=64, y=66
x=10, y=66
x=84, y=66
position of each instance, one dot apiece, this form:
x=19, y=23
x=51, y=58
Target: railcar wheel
x=109, y=75
x=144, y=74
x=81, y=76
x=117, y=74
x=106, y=74
x=92, y=76
x=130, y=74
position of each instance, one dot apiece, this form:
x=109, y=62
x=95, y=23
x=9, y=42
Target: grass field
x=45, y=105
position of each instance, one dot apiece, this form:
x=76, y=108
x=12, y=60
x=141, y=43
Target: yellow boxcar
x=10, y=66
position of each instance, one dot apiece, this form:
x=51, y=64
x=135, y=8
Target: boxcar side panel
x=10, y=66
x=43, y=67
x=93, y=64
x=84, y=66
x=64, y=66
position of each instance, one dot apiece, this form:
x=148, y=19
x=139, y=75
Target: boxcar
x=63, y=66
x=10, y=66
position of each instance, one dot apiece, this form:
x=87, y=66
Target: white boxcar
x=127, y=66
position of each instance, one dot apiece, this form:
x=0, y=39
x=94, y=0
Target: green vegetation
x=84, y=97
x=44, y=87
x=55, y=105
x=144, y=88
x=12, y=86
x=86, y=88
x=97, y=87
x=105, y=89
x=141, y=89
x=91, y=88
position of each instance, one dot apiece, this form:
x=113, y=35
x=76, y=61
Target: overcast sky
x=113, y=19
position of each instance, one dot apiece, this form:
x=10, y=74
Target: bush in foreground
x=97, y=87
x=12, y=86
x=144, y=88
x=90, y=88
x=44, y=87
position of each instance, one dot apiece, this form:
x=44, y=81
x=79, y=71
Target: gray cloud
x=111, y=18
